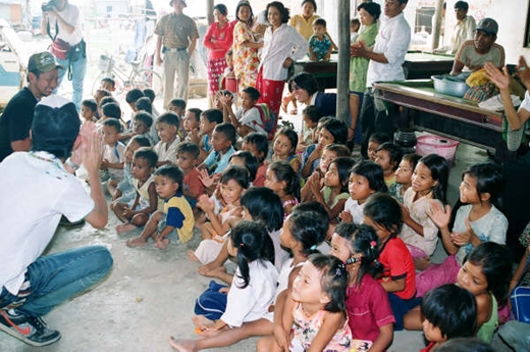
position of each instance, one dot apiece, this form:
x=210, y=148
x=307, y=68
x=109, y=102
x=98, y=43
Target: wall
x=510, y=15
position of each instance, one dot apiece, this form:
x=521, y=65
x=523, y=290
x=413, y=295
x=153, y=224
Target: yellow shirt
x=303, y=26
x=180, y=216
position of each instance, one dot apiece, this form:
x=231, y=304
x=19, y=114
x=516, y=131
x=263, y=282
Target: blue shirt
x=215, y=163
x=320, y=47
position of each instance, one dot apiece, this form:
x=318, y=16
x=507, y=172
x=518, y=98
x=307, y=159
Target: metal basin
x=454, y=86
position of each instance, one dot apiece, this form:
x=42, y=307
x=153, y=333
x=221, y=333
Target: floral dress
x=246, y=61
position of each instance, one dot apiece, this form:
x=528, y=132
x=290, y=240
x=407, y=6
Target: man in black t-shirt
x=16, y=120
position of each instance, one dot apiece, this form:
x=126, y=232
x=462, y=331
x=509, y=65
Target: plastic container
x=449, y=85
x=432, y=144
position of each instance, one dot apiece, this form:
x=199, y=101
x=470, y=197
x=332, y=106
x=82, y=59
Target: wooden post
x=343, y=65
x=209, y=11
x=437, y=24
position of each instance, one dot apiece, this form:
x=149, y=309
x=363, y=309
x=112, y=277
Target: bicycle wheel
x=147, y=78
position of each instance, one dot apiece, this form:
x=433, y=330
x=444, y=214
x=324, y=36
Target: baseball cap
x=42, y=62
x=55, y=124
x=488, y=25
x=182, y=1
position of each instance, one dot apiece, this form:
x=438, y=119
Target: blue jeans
x=58, y=277
x=78, y=76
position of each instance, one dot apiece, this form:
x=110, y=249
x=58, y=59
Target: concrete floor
x=150, y=294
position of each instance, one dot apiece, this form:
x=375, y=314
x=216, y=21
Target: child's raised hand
x=193, y=136
x=439, y=215
x=346, y=216
x=206, y=179
x=463, y=238
x=205, y=203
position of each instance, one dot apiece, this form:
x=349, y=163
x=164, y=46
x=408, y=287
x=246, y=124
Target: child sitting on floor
x=187, y=159
x=404, y=176
x=191, y=123
x=209, y=120
x=111, y=165
x=167, y=128
x=284, y=181
x=258, y=145
x=89, y=110
x=311, y=116
x=142, y=125
x=284, y=146
x=375, y=142
x=247, y=119
x=389, y=155
x=177, y=214
x=223, y=140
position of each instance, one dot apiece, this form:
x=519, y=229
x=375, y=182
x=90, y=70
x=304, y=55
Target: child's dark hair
x=106, y=100
x=284, y=12
x=91, y=104
x=363, y=241
x=489, y=179
x=259, y=140
x=465, y=344
x=144, y=104
x=451, y=309
x=440, y=173
x=109, y=80
x=213, y=115
x=313, y=112
x=495, y=260
x=191, y=148
x=103, y=92
x=394, y=152
x=236, y=173
x=333, y=279
x=148, y=154
x=338, y=130
x=251, y=162
x=343, y=164
x=196, y=113
x=169, y=118
x=179, y=103
x=112, y=122
x=133, y=95
x=338, y=149
x=384, y=210
x=252, y=92
x=379, y=138
x=373, y=173
x=412, y=159
x=291, y=135
x=111, y=110
x=318, y=209
x=320, y=22
x=172, y=172
x=253, y=243
x=283, y=171
x=228, y=130
x=247, y=4
x=149, y=93
x=355, y=21
x=142, y=141
x=264, y=206
x=144, y=117
x=307, y=229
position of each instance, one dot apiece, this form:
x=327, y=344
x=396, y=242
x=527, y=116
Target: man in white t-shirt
x=386, y=60
x=36, y=189
x=68, y=47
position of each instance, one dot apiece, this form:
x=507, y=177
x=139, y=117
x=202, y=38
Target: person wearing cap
x=464, y=28
x=177, y=38
x=473, y=54
x=16, y=119
x=37, y=188
x=67, y=21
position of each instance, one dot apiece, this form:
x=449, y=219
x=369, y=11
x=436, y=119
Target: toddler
x=223, y=140
x=177, y=214
x=355, y=25
x=111, y=165
x=229, y=80
x=311, y=116
x=319, y=44
x=258, y=145
x=167, y=127
x=284, y=146
x=404, y=176
x=89, y=110
x=187, y=159
x=374, y=142
x=389, y=155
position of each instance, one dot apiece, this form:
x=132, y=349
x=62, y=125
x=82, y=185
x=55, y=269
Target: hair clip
x=242, y=245
x=373, y=244
x=353, y=260
x=313, y=247
x=340, y=268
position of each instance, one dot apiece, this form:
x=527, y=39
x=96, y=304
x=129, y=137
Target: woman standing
x=218, y=40
x=282, y=45
x=369, y=13
x=245, y=49
x=304, y=22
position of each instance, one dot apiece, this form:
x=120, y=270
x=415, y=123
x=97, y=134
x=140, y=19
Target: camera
x=48, y=6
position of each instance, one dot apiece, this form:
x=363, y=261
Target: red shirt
x=429, y=347
x=398, y=264
x=259, y=181
x=368, y=309
x=223, y=40
x=191, y=182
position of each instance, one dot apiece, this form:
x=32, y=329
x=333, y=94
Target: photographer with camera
x=68, y=45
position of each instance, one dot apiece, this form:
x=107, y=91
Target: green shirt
x=359, y=65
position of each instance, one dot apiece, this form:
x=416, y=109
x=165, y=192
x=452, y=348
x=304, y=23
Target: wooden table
x=422, y=109
x=417, y=65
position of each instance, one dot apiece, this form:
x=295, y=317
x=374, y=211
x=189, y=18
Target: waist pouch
x=60, y=49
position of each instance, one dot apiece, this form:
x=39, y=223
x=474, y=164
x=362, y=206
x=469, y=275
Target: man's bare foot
x=125, y=228
x=199, y=320
x=204, y=269
x=182, y=345
x=162, y=244
x=192, y=256
x=136, y=242
x=215, y=273
x=422, y=263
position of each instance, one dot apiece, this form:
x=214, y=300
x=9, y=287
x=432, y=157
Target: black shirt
x=16, y=120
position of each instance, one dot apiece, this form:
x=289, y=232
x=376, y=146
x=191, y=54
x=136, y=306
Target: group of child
x=332, y=252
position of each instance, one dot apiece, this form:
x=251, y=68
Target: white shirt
x=115, y=155
x=169, y=154
x=251, y=118
x=393, y=41
x=252, y=302
x=464, y=30
x=71, y=15
x=34, y=193
x=285, y=42
x=526, y=102
x=355, y=209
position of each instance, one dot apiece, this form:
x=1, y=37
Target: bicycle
x=139, y=78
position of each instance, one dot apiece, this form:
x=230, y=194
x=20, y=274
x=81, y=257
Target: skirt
x=271, y=92
x=216, y=68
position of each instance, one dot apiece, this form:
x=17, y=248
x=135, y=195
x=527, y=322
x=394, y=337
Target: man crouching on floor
x=36, y=189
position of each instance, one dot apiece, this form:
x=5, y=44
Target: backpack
x=268, y=119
